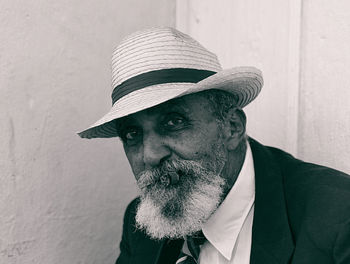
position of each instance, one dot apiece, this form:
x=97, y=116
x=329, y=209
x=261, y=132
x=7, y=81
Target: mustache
x=168, y=173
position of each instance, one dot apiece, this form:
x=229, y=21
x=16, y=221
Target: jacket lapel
x=272, y=240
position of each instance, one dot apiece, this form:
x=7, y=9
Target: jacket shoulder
x=317, y=198
x=310, y=190
x=298, y=173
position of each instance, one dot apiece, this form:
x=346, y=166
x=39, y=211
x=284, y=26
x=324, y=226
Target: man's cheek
x=136, y=164
x=187, y=147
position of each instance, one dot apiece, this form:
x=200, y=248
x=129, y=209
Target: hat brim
x=244, y=83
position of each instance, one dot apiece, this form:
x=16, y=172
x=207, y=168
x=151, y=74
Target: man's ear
x=235, y=128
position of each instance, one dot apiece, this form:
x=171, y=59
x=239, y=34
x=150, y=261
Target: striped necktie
x=193, y=243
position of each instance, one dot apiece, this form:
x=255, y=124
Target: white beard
x=174, y=211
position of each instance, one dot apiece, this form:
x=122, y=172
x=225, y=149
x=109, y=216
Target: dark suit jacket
x=302, y=215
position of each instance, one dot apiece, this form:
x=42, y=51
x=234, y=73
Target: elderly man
x=209, y=193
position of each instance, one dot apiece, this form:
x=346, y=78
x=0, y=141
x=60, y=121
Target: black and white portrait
x=163, y=132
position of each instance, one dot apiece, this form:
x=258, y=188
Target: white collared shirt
x=229, y=229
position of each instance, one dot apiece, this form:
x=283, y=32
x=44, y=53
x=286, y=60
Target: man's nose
x=155, y=150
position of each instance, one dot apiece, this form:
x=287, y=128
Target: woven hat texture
x=155, y=65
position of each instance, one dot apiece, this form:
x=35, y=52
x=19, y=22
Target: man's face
x=176, y=151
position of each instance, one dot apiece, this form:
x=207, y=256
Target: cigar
x=174, y=177
x=170, y=178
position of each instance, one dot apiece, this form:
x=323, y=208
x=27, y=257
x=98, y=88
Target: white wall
x=302, y=49
x=62, y=198
x=324, y=123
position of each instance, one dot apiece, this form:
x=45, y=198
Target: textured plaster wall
x=325, y=84
x=302, y=47
x=62, y=198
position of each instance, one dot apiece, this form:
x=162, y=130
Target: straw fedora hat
x=155, y=65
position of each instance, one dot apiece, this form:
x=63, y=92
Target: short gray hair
x=220, y=101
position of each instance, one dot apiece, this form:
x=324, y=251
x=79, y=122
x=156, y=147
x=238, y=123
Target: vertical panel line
x=293, y=82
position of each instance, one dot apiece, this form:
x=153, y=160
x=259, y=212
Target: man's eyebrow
x=123, y=122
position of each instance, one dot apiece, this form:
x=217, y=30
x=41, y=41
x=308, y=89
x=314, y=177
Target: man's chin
x=177, y=218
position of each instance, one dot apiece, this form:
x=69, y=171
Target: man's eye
x=131, y=135
x=175, y=121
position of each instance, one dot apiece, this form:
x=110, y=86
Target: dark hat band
x=175, y=75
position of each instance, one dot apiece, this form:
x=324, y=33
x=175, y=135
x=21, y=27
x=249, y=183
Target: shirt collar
x=223, y=227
